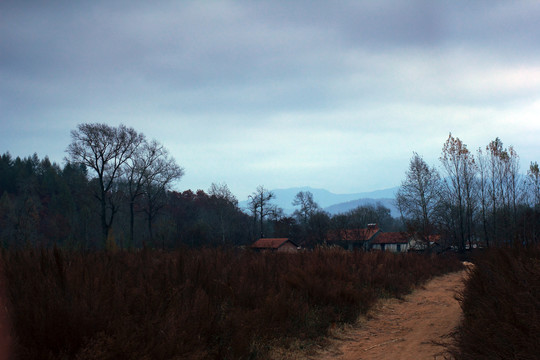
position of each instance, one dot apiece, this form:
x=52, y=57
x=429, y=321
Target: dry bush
x=501, y=306
x=194, y=304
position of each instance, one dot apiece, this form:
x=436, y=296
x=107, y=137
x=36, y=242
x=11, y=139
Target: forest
x=117, y=190
x=477, y=199
x=126, y=199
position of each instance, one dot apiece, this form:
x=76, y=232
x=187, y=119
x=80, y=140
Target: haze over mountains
x=334, y=203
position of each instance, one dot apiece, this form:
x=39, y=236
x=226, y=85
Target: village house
x=431, y=243
x=373, y=238
x=390, y=241
x=352, y=239
x=275, y=245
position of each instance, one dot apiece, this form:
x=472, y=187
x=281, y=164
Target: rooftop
x=270, y=243
x=390, y=238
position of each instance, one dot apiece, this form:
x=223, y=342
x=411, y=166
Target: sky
x=327, y=94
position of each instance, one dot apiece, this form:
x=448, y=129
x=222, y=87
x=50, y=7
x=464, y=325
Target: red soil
x=412, y=328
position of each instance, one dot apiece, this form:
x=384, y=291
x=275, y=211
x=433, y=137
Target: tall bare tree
x=513, y=184
x=136, y=174
x=308, y=206
x=105, y=149
x=418, y=197
x=161, y=172
x=504, y=189
x=495, y=153
x=483, y=189
x=533, y=192
x=226, y=207
x=259, y=202
x=533, y=184
x=459, y=183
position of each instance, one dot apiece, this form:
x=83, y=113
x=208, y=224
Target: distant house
x=431, y=243
x=275, y=244
x=351, y=239
x=390, y=241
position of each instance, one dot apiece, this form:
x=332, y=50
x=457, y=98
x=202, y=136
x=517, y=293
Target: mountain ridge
x=331, y=202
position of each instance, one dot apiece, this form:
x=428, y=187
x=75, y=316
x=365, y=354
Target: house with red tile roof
x=351, y=239
x=373, y=238
x=390, y=241
x=275, y=244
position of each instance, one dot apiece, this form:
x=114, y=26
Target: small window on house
x=398, y=247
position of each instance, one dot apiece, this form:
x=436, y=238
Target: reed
x=194, y=303
x=501, y=306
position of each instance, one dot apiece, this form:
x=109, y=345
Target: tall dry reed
x=501, y=306
x=193, y=304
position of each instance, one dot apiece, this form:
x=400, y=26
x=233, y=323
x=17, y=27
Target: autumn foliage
x=206, y=303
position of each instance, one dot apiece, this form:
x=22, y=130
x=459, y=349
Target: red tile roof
x=353, y=234
x=390, y=238
x=270, y=243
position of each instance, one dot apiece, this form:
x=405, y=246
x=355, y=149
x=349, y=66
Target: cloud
x=279, y=93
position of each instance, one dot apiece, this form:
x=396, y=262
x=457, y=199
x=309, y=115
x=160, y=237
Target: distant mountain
x=350, y=205
x=333, y=203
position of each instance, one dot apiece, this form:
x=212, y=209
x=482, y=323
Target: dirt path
x=403, y=329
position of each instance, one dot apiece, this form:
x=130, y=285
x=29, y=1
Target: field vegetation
x=194, y=303
x=501, y=306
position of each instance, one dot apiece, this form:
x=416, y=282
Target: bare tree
x=496, y=193
x=260, y=205
x=226, y=206
x=136, y=174
x=105, y=149
x=513, y=184
x=533, y=192
x=418, y=197
x=533, y=184
x=222, y=191
x=483, y=188
x=504, y=189
x=157, y=180
x=460, y=169
x=308, y=206
x=319, y=224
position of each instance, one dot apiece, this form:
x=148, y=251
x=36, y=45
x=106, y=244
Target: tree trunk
x=104, y=225
x=150, y=231
x=131, y=223
x=261, y=222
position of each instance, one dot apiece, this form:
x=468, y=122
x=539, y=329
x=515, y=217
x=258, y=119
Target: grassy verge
x=194, y=304
x=501, y=306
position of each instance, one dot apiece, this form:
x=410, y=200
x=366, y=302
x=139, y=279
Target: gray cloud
x=275, y=92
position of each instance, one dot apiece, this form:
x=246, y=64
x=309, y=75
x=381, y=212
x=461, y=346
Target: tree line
x=310, y=225
x=477, y=198
x=117, y=190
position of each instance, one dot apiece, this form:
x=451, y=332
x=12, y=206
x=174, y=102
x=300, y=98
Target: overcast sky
x=328, y=94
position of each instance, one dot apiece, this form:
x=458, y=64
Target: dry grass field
x=194, y=303
x=501, y=307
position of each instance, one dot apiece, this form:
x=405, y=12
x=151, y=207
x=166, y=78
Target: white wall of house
x=391, y=247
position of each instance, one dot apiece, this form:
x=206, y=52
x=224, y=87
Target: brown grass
x=501, y=306
x=193, y=304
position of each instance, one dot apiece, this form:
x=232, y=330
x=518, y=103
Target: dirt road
x=403, y=329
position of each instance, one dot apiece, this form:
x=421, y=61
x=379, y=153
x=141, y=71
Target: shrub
x=501, y=306
x=206, y=303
